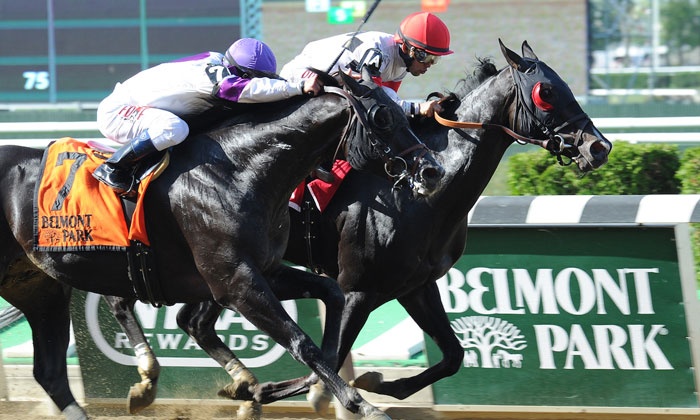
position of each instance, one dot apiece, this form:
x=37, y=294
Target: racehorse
x=218, y=224
x=382, y=245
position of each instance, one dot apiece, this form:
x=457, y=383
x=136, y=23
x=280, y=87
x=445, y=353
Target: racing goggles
x=423, y=56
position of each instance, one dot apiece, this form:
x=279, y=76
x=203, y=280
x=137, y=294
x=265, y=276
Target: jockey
x=145, y=113
x=422, y=38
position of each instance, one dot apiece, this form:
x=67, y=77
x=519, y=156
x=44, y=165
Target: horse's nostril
x=599, y=150
x=432, y=173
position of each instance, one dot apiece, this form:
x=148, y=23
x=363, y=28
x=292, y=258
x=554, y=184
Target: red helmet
x=426, y=31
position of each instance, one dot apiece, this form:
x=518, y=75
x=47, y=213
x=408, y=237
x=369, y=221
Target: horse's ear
x=348, y=80
x=528, y=53
x=368, y=75
x=358, y=88
x=513, y=59
x=324, y=77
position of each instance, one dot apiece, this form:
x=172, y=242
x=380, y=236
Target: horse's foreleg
x=295, y=284
x=423, y=305
x=358, y=306
x=46, y=305
x=198, y=321
x=290, y=283
x=355, y=312
x=143, y=393
x=251, y=296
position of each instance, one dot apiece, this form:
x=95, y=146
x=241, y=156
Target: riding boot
x=118, y=171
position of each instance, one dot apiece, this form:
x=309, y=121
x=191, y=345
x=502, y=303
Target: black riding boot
x=117, y=171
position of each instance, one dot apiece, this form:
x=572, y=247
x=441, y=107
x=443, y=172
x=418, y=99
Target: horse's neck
x=489, y=102
x=273, y=150
x=471, y=162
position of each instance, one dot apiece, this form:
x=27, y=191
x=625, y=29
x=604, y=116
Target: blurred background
x=609, y=51
x=635, y=63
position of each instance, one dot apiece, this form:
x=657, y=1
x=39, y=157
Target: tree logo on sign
x=489, y=342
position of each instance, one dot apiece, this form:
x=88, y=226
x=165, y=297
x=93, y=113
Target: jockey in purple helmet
x=146, y=112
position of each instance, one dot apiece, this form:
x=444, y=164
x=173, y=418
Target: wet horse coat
x=217, y=220
x=382, y=245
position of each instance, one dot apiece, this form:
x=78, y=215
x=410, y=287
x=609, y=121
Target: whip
x=349, y=41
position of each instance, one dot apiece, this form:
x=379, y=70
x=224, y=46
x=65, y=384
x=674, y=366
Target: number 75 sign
x=36, y=80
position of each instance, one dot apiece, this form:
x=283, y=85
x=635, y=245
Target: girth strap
x=143, y=274
x=141, y=265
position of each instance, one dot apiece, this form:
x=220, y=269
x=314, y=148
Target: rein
x=384, y=150
x=461, y=124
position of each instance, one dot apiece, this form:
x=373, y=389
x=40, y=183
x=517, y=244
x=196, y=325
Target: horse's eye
x=542, y=96
x=380, y=117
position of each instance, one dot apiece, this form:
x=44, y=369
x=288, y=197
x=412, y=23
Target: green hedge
x=689, y=176
x=641, y=81
x=637, y=169
x=631, y=169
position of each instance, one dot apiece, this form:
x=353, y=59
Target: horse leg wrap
x=320, y=398
x=249, y=410
x=142, y=394
x=244, y=382
x=148, y=366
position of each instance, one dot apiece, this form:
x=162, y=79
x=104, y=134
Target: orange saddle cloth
x=75, y=212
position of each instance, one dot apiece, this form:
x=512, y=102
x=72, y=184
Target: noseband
x=556, y=143
x=395, y=166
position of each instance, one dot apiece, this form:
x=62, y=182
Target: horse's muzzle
x=428, y=178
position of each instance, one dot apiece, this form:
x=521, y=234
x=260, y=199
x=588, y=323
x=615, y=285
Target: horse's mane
x=483, y=70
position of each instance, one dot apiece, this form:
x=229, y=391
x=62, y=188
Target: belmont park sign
x=569, y=317
x=596, y=293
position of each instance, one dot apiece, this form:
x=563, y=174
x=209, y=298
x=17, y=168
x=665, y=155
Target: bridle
x=556, y=142
x=395, y=166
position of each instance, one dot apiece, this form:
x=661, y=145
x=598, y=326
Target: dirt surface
x=201, y=410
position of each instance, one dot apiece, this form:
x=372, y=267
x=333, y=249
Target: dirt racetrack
x=37, y=411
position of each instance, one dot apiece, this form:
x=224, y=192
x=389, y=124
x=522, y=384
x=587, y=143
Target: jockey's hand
x=429, y=108
x=312, y=85
x=355, y=75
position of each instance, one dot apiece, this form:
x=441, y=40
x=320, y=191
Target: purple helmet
x=251, y=54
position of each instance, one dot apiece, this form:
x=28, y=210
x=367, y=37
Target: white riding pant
x=121, y=122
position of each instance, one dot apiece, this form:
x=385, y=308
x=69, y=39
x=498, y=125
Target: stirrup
x=106, y=174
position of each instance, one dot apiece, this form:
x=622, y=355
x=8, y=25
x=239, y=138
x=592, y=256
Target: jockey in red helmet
x=424, y=38
x=418, y=43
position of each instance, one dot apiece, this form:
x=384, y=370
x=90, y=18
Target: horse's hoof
x=243, y=385
x=249, y=410
x=74, y=412
x=369, y=381
x=320, y=398
x=373, y=413
x=141, y=395
x=236, y=392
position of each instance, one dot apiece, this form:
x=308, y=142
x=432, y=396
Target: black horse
x=381, y=244
x=218, y=224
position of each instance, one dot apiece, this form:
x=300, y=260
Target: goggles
x=423, y=57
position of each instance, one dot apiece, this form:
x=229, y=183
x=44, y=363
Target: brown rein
x=475, y=125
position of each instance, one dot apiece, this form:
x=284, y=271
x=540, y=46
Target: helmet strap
x=405, y=55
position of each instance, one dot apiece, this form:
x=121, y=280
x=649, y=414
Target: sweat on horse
x=382, y=245
x=218, y=224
